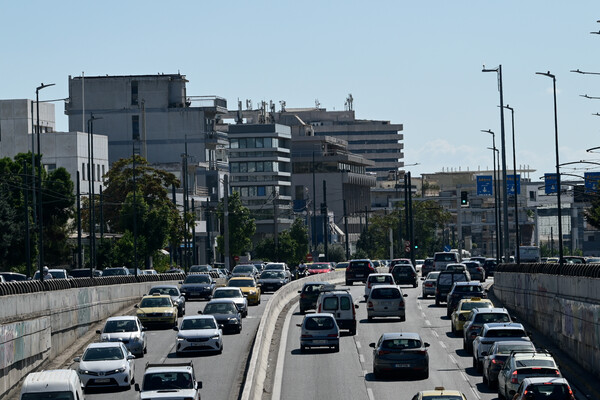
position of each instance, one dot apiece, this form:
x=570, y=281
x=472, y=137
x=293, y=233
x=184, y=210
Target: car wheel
x=377, y=373
x=485, y=379
x=221, y=349
x=415, y=285
x=448, y=313
x=366, y=298
x=402, y=319
x=437, y=302
x=240, y=329
x=145, y=350
x=348, y=283
x=452, y=328
x=474, y=363
x=501, y=395
x=369, y=318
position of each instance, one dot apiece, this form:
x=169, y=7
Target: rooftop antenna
x=282, y=104
x=349, y=102
x=317, y=104
x=238, y=119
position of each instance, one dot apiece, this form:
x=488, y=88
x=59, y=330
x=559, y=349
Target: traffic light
x=464, y=198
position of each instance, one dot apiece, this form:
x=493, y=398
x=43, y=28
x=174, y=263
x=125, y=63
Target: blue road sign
x=592, y=182
x=447, y=248
x=510, y=184
x=551, y=183
x=485, y=185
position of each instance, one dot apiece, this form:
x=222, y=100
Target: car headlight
x=215, y=337
x=122, y=369
x=252, y=292
x=168, y=314
x=103, y=338
x=180, y=339
x=135, y=339
x=232, y=319
x=83, y=371
x=281, y=282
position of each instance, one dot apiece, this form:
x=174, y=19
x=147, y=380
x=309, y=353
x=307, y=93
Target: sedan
x=127, y=330
x=271, y=281
x=319, y=330
x=386, y=301
x=429, y=284
x=177, y=297
x=106, y=364
x=197, y=285
x=318, y=268
x=249, y=287
x=235, y=294
x=226, y=313
x=199, y=333
x=495, y=358
x=400, y=352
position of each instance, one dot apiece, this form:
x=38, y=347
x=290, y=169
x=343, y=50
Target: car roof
x=122, y=318
x=471, y=283
x=498, y=310
x=400, y=335
x=165, y=287
x=381, y=274
x=531, y=354
x=156, y=295
x=96, y=345
x=315, y=283
x=503, y=325
x=379, y=287
x=441, y=392
x=219, y=301
x=319, y=315
x=475, y=299
x=198, y=316
x=528, y=381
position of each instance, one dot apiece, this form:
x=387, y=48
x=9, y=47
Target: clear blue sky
x=417, y=63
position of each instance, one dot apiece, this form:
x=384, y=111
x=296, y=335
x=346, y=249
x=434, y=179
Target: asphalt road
x=348, y=374
x=221, y=375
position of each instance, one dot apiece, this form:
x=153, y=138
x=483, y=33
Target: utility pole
x=26, y=211
x=325, y=221
x=226, y=221
x=173, y=256
x=411, y=224
x=275, y=224
x=135, y=254
x=346, y=230
x=406, y=210
x=79, y=247
x=195, y=254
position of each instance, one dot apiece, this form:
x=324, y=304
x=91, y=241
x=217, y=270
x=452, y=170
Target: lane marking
x=365, y=372
x=358, y=345
x=362, y=359
x=424, y=316
x=427, y=322
x=278, y=379
x=475, y=392
x=370, y=394
x=453, y=359
x=443, y=344
x=435, y=334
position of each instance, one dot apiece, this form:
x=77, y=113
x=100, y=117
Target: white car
x=235, y=294
x=128, y=330
x=106, y=364
x=378, y=279
x=199, y=333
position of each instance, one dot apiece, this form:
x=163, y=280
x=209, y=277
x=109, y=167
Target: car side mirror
x=144, y=329
x=176, y=329
x=77, y=359
x=356, y=306
x=423, y=278
x=299, y=325
x=137, y=387
x=199, y=311
x=426, y=344
x=199, y=385
x=405, y=295
x=98, y=331
x=130, y=357
x=372, y=345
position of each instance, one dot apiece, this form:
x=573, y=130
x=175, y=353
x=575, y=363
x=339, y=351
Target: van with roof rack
x=55, y=384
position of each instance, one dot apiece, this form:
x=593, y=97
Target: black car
x=463, y=290
x=427, y=266
x=445, y=281
x=84, y=273
x=13, y=276
x=226, y=313
x=197, y=285
x=405, y=274
x=475, y=269
x=490, y=266
x=358, y=271
x=309, y=295
x=271, y=280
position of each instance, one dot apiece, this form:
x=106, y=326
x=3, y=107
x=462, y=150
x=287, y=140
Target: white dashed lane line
x=370, y=394
x=362, y=359
x=358, y=346
x=442, y=344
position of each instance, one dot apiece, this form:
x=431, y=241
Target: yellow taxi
x=249, y=288
x=439, y=393
x=459, y=316
x=157, y=309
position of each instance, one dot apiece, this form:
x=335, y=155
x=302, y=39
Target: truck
x=175, y=381
x=529, y=254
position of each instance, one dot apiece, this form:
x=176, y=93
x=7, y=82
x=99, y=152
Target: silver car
x=430, y=283
x=386, y=301
x=400, y=352
x=235, y=294
x=378, y=279
x=199, y=333
x=319, y=330
x=128, y=330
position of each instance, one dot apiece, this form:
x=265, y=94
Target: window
x=135, y=127
x=532, y=195
x=83, y=171
x=235, y=167
x=330, y=303
x=345, y=303
x=260, y=142
x=260, y=191
x=251, y=166
x=103, y=171
x=134, y=93
x=234, y=144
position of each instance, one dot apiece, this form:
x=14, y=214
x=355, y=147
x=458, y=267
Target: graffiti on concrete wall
x=16, y=339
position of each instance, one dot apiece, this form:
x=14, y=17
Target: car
x=226, y=314
x=271, y=281
x=52, y=384
x=495, y=332
x=358, y=271
x=117, y=271
x=13, y=276
x=496, y=356
x=489, y=265
x=419, y=264
x=235, y=294
x=106, y=364
x=128, y=330
x=135, y=271
x=169, y=380
x=341, y=266
x=318, y=268
x=400, y=352
x=464, y=307
x=224, y=271
x=386, y=301
x=520, y=366
x=84, y=273
x=460, y=267
x=574, y=260
x=477, y=318
x=200, y=268
x=339, y=303
x=197, y=286
x=198, y=333
x=248, y=270
x=157, y=309
x=544, y=389
x=175, y=270
x=378, y=279
x=439, y=393
x=429, y=284
x=444, y=283
x=405, y=274
x=308, y=295
x=475, y=269
x=441, y=259
x=249, y=287
x=427, y=266
x=57, y=273
x=176, y=296
x=149, y=272
x=396, y=261
x=462, y=290
x=278, y=267
x=319, y=330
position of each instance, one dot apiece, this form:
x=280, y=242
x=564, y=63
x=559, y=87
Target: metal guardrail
x=582, y=270
x=33, y=286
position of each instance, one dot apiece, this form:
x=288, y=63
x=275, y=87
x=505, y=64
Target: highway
x=221, y=375
x=348, y=374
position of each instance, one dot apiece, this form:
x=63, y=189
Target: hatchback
x=127, y=330
x=520, y=366
x=405, y=274
x=400, y=352
x=226, y=313
x=475, y=270
x=544, y=389
x=496, y=356
x=386, y=301
x=199, y=333
x=445, y=281
x=429, y=284
x=462, y=290
x=309, y=294
x=377, y=279
x=358, y=271
x=319, y=330
x=105, y=365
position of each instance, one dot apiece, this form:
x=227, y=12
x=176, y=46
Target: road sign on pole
x=485, y=185
x=551, y=183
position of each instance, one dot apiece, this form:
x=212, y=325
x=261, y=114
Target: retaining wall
x=564, y=308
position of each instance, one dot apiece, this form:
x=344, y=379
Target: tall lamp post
x=503, y=142
x=558, y=188
x=91, y=181
x=517, y=228
x=496, y=194
x=38, y=129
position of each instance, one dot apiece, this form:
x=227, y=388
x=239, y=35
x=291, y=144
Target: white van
x=340, y=304
x=59, y=384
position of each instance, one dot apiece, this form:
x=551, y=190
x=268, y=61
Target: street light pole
x=558, y=188
x=38, y=129
x=517, y=227
x=496, y=195
x=91, y=181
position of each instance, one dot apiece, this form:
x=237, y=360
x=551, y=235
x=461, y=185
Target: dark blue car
x=197, y=285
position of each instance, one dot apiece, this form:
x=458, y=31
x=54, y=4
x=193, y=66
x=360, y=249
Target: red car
x=318, y=268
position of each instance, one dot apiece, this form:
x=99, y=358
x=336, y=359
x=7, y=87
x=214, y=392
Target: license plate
x=403, y=275
x=320, y=342
x=402, y=365
x=102, y=380
x=359, y=275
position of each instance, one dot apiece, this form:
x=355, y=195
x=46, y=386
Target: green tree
x=337, y=252
x=592, y=214
x=299, y=235
x=58, y=202
x=241, y=226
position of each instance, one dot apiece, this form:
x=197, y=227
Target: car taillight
x=401, y=305
x=306, y=336
x=332, y=335
x=479, y=269
x=383, y=352
x=494, y=361
x=428, y=284
x=319, y=308
x=370, y=304
x=302, y=295
x=437, y=291
x=348, y=268
x=421, y=352
x=369, y=285
x=514, y=378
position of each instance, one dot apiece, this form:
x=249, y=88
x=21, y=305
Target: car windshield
x=398, y=344
x=47, y=396
x=385, y=293
x=227, y=293
x=243, y=269
x=167, y=291
x=445, y=257
x=506, y=333
x=492, y=317
x=442, y=397
x=198, y=323
x=271, y=275
x=220, y=308
x=102, y=354
x=115, y=326
x=468, y=289
x=380, y=279
x=242, y=283
x=318, y=323
x=360, y=264
x=507, y=348
x=532, y=362
x=113, y=272
x=470, y=305
x=167, y=380
x=311, y=288
x=432, y=276
x=274, y=267
x=319, y=266
x=199, y=278
x=150, y=302
x=546, y=391
x=200, y=268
